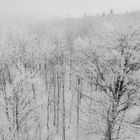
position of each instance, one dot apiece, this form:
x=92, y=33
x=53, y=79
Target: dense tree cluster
x=73, y=79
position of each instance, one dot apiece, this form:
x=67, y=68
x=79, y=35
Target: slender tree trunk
x=63, y=119
x=15, y=118
x=70, y=86
x=54, y=96
x=121, y=121
x=58, y=98
x=111, y=120
x=108, y=133
x=78, y=104
x=109, y=129
x=46, y=81
x=48, y=90
x=48, y=112
x=34, y=94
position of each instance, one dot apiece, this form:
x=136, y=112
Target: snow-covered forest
x=71, y=78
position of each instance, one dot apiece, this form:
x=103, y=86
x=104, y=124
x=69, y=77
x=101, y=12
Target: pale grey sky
x=65, y=7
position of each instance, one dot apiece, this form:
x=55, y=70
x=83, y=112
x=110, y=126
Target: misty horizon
x=64, y=8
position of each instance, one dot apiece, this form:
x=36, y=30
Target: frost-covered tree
x=114, y=77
